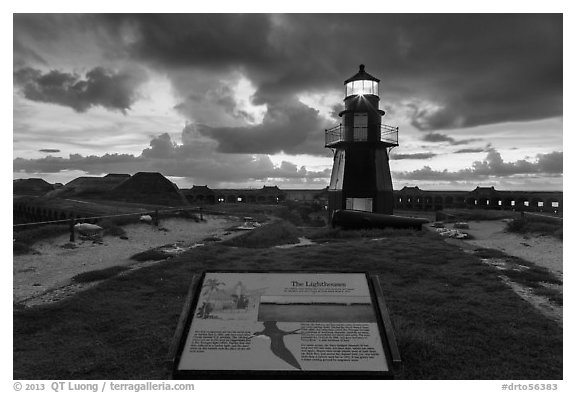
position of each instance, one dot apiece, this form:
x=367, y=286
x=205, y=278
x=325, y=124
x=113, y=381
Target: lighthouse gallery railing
x=335, y=135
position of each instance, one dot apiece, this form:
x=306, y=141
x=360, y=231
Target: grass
x=19, y=248
x=112, y=228
x=32, y=235
x=476, y=214
x=533, y=225
x=24, y=239
x=154, y=254
x=269, y=235
x=260, y=212
x=327, y=234
x=98, y=275
x=526, y=273
x=551, y=294
x=453, y=317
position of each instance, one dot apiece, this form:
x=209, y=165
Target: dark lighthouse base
x=361, y=180
x=351, y=219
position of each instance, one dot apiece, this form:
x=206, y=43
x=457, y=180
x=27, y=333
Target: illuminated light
x=361, y=87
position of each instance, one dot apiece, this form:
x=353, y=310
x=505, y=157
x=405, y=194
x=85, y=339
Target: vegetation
x=453, y=317
x=526, y=273
x=328, y=234
x=183, y=214
x=303, y=213
x=24, y=239
x=269, y=235
x=112, y=228
x=452, y=215
x=22, y=249
x=97, y=275
x=154, y=254
x=536, y=225
x=297, y=213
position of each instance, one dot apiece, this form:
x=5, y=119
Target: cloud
x=193, y=159
x=100, y=87
x=414, y=156
x=440, y=71
x=484, y=149
x=49, y=150
x=470, y=150
x=436, y=137
x=24, y=55
x=447, y=70
x=492, y=166
x=288, y=126
x=452, y=70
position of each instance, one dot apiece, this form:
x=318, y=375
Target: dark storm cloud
x=213, y=102
x=291, y=127
x=475, y=69
x=49, y=150
x=436, y=137
x=414, y=156
x=446, y=70
x=100, y=87
x=203, y=40
x=492, y=166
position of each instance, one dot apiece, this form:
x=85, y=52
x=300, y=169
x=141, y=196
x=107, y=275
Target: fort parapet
x=37, y=208
x=409, y=198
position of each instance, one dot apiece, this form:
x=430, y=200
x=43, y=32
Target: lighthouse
x=361, y=178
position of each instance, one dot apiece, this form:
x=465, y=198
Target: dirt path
x=55, y=266
x=545, y=251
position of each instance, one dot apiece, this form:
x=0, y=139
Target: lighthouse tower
x=361, y=174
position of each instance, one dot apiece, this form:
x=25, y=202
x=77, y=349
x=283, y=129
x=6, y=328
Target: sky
x=242, y=100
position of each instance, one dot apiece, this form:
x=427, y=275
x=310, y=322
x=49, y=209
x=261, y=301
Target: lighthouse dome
x=362, y=83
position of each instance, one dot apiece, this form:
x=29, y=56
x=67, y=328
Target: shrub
x=475, y=214
x=19, y=248
x=185, y=214
x=111, y=228
x=274, y=234
x=32, y=235
x=535, y=226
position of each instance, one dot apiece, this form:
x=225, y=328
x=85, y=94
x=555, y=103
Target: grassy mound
x=274, y=234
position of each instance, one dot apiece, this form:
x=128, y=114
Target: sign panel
x=284, y=322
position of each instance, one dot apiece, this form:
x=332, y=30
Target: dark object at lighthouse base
x=354, y=219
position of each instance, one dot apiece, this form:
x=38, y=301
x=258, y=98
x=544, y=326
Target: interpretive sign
x=288, y=322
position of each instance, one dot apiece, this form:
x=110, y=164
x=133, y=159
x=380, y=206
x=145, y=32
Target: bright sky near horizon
x=243, y=100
